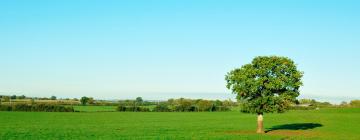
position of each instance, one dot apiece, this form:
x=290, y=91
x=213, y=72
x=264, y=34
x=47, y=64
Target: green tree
x=13, y=97
x=182, y=105
x=91, y=101
x=139, y=100
x=268, y=84
x=205, y=105
x=228, y=103
x=53, y=98
x=21, y=97
x=6, y=98
x=344, y=104
x=84, y=100
x=218, y=103
x=307, y=101
x=355, y=103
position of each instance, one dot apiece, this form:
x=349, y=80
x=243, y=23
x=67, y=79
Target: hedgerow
x=36, y=108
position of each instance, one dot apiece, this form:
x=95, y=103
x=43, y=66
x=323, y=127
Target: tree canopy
x=139, y=100
x=267, y=84
x=84, y=100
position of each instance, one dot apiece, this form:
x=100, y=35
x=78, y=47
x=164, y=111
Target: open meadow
x=179, y=70
x=335, y=123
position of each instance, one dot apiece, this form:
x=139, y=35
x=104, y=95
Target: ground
x=314, y=124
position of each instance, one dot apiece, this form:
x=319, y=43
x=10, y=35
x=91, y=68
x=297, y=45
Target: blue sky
x=168, y=49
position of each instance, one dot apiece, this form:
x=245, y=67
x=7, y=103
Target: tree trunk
x=260, y=126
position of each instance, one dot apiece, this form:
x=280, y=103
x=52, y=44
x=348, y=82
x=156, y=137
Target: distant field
x=317, y=124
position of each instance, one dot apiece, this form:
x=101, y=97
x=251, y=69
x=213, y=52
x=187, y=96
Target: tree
x=13, y=97
x=355, y=103
x=139, y=100
x=218, y=103
x=163, y=107
x=205, y=105
x=307, y=101
x=268, y=84
x=228, y=103
x=53, y=98
x=91, y=101
x=344, y=104
x=183, y=105
x=84, y=100
x=6, y=98
x=21, y=97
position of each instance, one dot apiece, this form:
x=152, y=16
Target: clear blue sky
x=169, y=49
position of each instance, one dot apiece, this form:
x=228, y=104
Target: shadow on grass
x=295, y=126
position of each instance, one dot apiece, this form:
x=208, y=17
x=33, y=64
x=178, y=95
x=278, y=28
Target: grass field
x=315, y=124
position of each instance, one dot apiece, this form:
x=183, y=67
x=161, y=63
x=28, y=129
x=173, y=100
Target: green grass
x=336, y=124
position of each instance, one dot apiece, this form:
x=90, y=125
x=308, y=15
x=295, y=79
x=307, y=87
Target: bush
x=355, y=103
x=161, y=108
x=123, y=108
x=222, y=108
x=36, y=108
x=5, y=108
x=302, y=107
x=205, y=105
x=177, y=105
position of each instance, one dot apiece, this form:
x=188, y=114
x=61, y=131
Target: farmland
x=336, y=123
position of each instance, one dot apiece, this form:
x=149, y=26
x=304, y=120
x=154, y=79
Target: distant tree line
x=310, y=104
x=36, y=108
x=140, y=105
x=13, y=97
x=22, y=99
x=176, y=105
x=353, y=103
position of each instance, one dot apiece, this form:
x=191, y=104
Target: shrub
x=205, y=105
x=5, y=108
x=161, y=108
x=123, y=108
x=222, y=108
x=302, y=107
x=36, y=108
x=355, y=103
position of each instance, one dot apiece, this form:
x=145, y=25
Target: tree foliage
x=6, y=98
x=205, y=105
x=12, y=97
x=53, y=98
x=84, y=100
x=178, y=105
x=267, y=84
x=138, y=101
x=37, y=108
x=355, y=103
